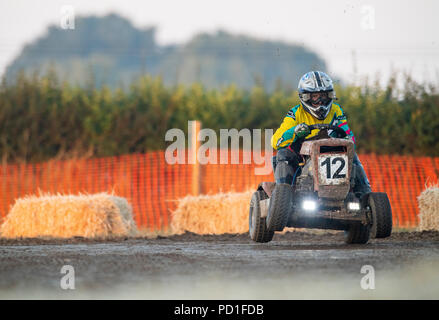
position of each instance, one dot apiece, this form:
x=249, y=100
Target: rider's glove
x=302, y=130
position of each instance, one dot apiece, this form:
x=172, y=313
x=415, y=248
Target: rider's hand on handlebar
x=302, y=130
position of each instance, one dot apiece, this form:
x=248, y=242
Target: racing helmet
x=316, y=92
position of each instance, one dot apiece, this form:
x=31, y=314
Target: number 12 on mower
x=333, y=168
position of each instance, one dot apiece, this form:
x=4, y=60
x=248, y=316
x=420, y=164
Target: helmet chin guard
x=316, y=82
x=319, y=112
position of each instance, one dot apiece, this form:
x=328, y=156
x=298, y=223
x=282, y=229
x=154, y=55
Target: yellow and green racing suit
x=284, y=136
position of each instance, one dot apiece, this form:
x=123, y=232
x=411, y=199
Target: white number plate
x=333, y=169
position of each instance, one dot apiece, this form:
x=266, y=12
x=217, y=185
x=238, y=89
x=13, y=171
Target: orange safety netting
x=152, y=186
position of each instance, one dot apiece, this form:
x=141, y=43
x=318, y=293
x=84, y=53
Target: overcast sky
x=376, y=36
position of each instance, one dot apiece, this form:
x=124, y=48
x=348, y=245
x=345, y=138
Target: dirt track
x=294, y=265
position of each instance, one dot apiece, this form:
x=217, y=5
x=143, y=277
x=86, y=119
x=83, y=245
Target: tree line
x=43, y=118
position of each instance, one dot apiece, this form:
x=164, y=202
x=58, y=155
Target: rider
x=316, y=94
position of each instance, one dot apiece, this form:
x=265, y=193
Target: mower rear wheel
x=381, y=212
x=257, y=225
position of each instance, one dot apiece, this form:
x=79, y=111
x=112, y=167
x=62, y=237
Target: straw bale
x=428, y=202
x=64, y=216
x=212, y=214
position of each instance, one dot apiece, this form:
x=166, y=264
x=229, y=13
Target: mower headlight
x=309, y=205
x=354, y=206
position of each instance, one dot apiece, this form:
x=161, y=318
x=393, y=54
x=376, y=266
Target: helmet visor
x=318, y=99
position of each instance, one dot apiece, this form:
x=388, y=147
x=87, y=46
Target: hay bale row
x=428, y=202
x=212, y=214
x=64, y=216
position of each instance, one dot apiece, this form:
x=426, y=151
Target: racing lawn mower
x=322, y=195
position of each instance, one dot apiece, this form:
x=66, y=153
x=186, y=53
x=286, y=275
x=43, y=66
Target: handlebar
x=320, y=126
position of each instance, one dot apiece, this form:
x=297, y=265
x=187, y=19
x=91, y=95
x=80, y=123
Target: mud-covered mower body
x=328, y=190
x=331, y=190
x=327, y=178
x=318, y=184
x=334, y=215
x=322, y=151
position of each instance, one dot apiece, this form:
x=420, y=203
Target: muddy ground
x=295, y=265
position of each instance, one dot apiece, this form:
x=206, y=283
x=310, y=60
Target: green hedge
x=42, y=118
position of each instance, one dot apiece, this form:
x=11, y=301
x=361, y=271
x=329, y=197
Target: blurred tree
x=116, y=53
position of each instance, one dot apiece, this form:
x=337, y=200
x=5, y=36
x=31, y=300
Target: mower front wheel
x=357, y=233
x=279, y=207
